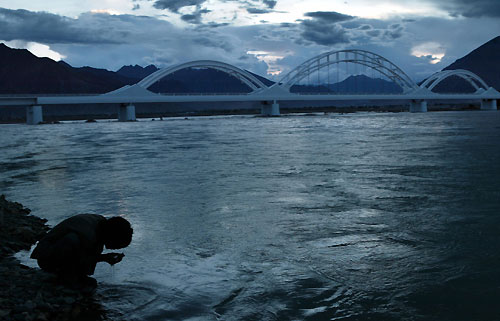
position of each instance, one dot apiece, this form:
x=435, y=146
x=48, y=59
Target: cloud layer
x=110, y=41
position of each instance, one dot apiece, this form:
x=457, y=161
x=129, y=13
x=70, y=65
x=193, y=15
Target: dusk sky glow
x=267, y=37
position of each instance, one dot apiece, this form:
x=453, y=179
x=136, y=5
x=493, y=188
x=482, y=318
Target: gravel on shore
x=29, y=294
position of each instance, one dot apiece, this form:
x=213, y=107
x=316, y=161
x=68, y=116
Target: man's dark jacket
x=72, y=246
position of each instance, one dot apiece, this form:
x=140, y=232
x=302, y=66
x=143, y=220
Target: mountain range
x=23, y=73
x=358, y=84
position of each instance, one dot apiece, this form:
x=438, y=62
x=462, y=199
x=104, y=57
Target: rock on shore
x=31, y=294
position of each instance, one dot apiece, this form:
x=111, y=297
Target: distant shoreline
x=284, y=111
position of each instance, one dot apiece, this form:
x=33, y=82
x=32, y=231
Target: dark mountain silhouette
x=22, y=72
x=264, y=80
x=136, y=72
x=359, y=84
x=362, y=84
x=483, y=61
x=196, y=80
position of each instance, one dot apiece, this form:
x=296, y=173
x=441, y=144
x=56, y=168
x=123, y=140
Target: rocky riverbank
x=29, y=294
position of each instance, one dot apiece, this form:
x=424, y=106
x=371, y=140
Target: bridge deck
x=109, y=99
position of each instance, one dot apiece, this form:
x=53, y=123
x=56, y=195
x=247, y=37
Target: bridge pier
x=34, y=115
x=270, y=109
x=489, y=104
x=126, y=112
x=418, y=106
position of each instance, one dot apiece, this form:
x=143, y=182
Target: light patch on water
x=24, y=257
x=345, y=240
x=314, y=311
x=174, y=288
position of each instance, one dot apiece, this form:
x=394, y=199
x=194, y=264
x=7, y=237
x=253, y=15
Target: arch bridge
x=362, y=58
x=242, y=75
x=334, y=74
x=474, y=80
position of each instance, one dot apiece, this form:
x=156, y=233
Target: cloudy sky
x=268, y=37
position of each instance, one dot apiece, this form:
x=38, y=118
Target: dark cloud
x=195, y=17
x=175, y=5
x=207, y=41
x=270, y=3
x=351, y=24
x=365, y=27
x=51, y=28
x=320, y=34
x=216, y=25
x=471, y=8
x=257, y=6
x=395, y=31
x=328, y=16
x=136, y=6
x=192, y=18
x=257, y=11
x=324, y=28
x=373, y=33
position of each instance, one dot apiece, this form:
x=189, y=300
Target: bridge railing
x=204, y=94
x=45, y=95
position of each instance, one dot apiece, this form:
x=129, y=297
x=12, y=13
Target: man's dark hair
x=118, y=233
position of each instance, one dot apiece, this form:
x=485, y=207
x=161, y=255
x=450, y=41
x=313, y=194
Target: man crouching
x=72, y=248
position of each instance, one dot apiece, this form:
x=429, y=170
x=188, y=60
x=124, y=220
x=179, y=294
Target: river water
x=365, y=216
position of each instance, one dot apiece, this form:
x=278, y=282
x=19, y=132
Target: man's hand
x=112, y=258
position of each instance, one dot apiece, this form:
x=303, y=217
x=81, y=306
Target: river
x=363, y=216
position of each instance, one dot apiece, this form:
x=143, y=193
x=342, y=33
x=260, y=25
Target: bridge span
x=346, y=75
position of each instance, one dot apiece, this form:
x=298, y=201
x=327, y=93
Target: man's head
x=117, y=233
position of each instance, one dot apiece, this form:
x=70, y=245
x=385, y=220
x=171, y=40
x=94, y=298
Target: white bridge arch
x=469, y=76
x=244, y=76
x=355, y=56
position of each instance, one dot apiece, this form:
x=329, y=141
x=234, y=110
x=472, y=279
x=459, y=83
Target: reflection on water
x=335, y=217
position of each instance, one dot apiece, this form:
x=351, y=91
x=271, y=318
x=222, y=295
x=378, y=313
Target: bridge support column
x=489, y=104
x=418, y=106
x=34, y=115
x=270, y=109
x=126, y=112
